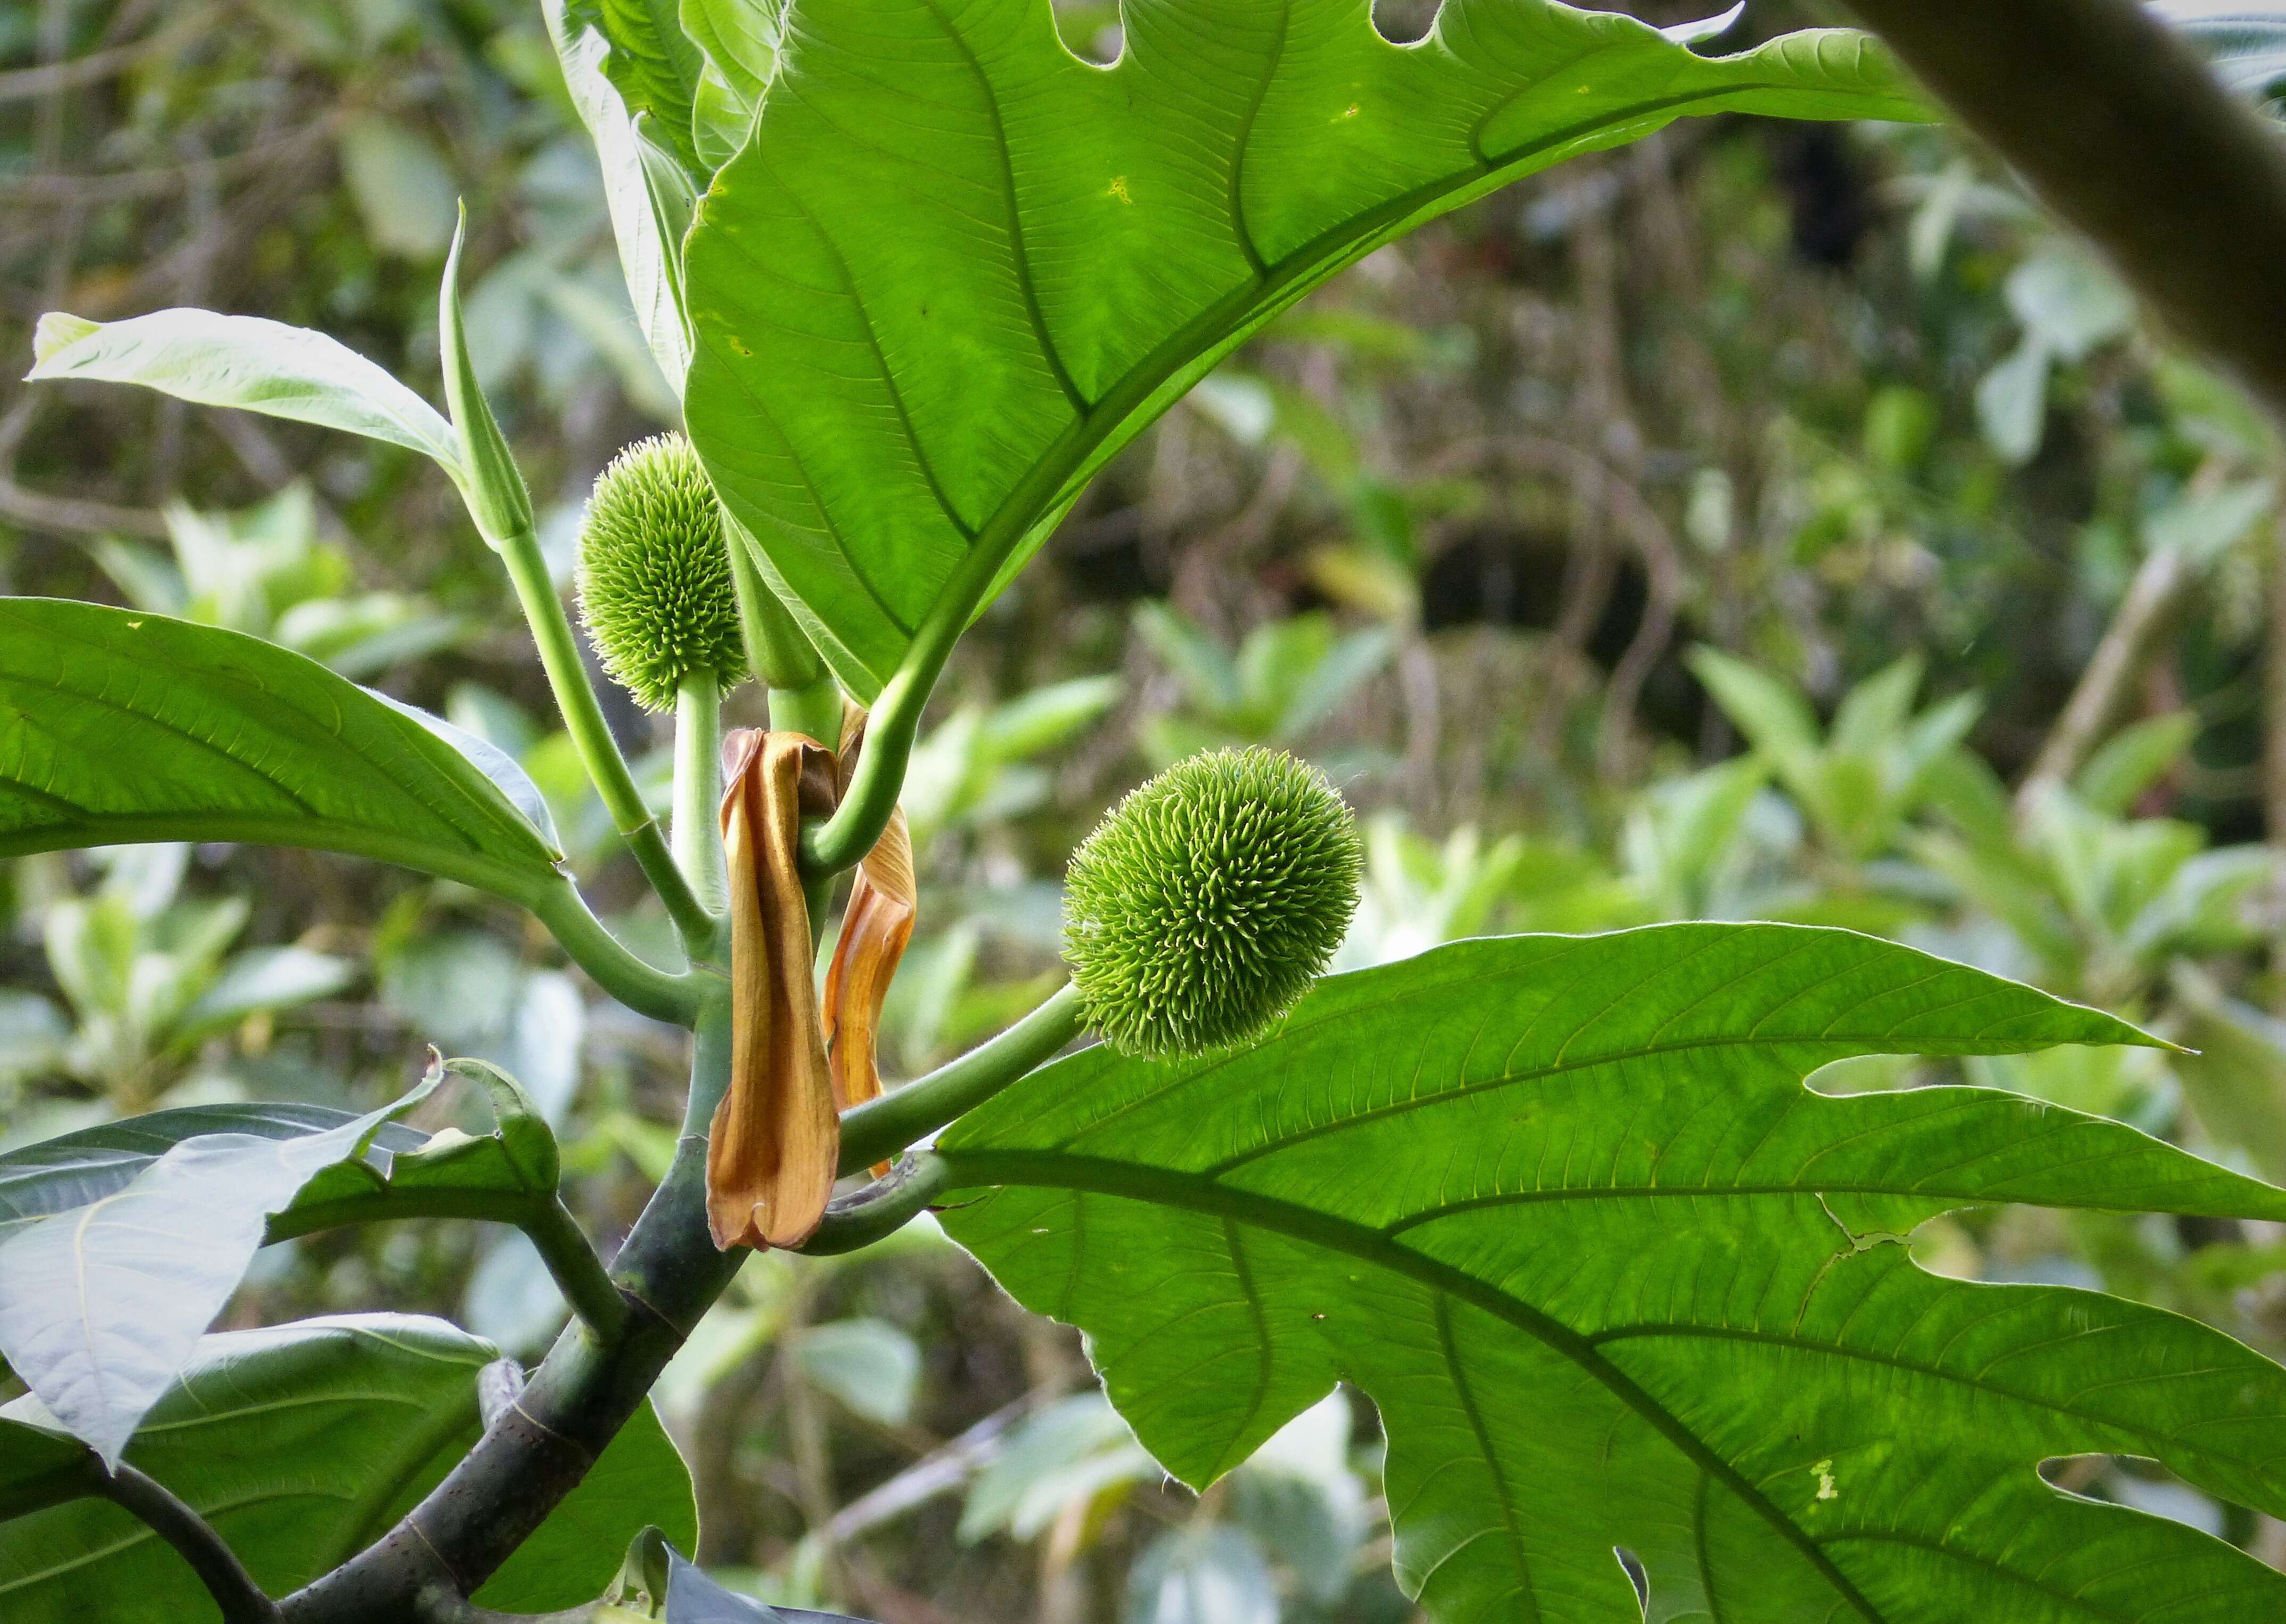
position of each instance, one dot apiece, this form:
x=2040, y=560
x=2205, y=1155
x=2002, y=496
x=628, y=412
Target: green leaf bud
x=654, y=574
x=1208, y=900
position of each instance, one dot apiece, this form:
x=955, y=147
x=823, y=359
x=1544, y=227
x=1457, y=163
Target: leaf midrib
x=215, y=688
x=349, y=839
x=1844, y=1041
x=1192, y=1192
x=1195, y=347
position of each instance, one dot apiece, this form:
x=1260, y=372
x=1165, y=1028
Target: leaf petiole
x=193, y=1538
x=879, y=1211
x=642, y=987
x=698, y=828
x=880, y=1128
x=497, y=500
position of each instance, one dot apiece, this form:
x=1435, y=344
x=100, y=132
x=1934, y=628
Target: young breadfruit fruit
x=1203, y=906
x=654, y=574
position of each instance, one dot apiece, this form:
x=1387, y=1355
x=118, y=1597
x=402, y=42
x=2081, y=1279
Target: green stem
x=880, y=1128
x=643, y=987
x=578, y=1272
x=880, y=777
x=591, y=737
x=698, y=791
x=815, y=710
x=781, y=656
x=804, y=697
x=881, y=1209
x=562, y=1246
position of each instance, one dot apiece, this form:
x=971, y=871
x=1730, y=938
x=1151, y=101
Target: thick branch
x=2120, y=129
x=536, y=1451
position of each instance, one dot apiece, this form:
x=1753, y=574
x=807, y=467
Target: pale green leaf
x=1775, y=718
x=868, y=1364
x=250, y=363
x=1201, y=1575
x=2012, y=402
x=265, y=978
x=120, y=1244
x=2132, y=759
x=2069, y=305
x=402, y=188
x=648, y=192
x=101, y=1305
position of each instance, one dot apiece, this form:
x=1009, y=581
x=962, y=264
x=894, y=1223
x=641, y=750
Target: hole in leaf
x=1402, y=22
x=1632, y=1567
x=2139, y=1484
x=1091, y=30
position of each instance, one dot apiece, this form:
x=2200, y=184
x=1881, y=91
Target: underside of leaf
x=955, y=268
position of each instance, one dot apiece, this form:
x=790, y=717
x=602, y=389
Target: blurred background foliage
x=1764, y=520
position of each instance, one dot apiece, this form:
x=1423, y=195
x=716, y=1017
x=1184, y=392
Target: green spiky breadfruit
x=1208, y=900
x=654, y=574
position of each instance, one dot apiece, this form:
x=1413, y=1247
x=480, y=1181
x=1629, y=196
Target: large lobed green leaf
x=301, y=1444
x=954, y=267
x=118, y=726
x=1617, y=1281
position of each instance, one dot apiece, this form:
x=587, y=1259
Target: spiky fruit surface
x=1205, y=904
x=654, y=574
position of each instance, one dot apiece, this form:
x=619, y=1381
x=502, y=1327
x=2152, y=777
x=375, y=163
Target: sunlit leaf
x=955, y=268
x=250, y=363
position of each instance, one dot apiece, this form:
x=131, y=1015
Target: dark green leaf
x=1617, y=1280
x=118, y=728
x=302, y=1445
x=40, y=1466
x=954, y=267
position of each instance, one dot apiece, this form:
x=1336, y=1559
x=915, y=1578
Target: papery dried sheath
x=776, y=1137
x=875, y=930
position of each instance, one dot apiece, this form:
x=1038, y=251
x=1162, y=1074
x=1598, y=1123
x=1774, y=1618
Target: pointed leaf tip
x=57, y=330
x=491, y=482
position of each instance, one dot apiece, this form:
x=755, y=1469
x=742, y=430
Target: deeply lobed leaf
x=1617, y=1280
x=953, y=269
